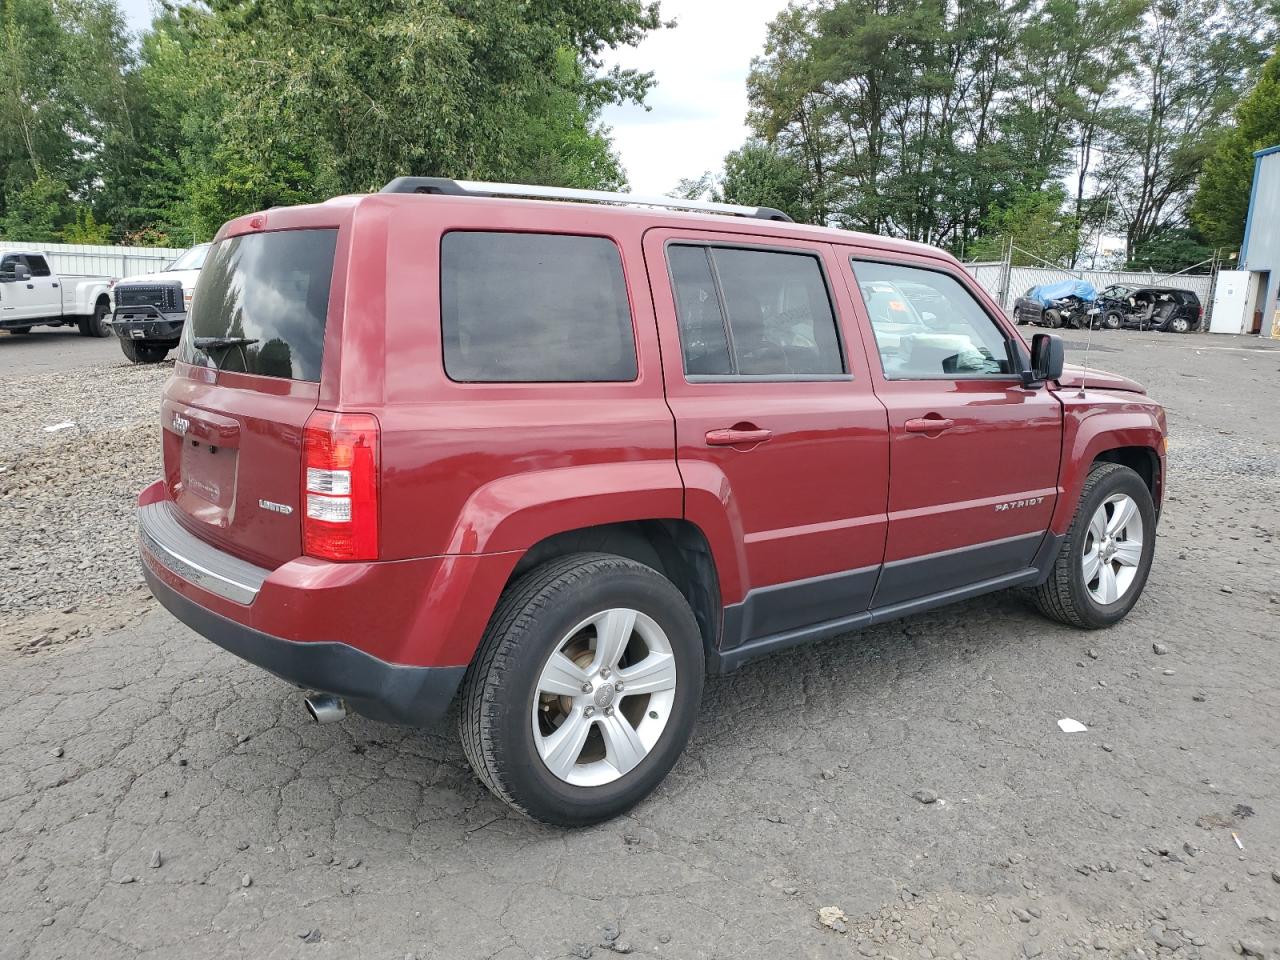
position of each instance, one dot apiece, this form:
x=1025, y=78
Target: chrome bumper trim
x=170, y=545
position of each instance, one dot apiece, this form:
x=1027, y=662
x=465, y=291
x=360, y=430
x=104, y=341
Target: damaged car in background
x=1067, y=303
x=1167, y=309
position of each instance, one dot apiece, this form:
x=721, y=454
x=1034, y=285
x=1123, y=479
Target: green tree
x=1174, y=249
x=231, y=105
x=63, y=70
x=316, y=97
x=1036, y=223
x=1222, y=196
x=758, y=175
x=84, y=228
x=36, y=212
x=1194, y=58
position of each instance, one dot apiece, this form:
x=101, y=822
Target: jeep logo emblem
x=180, y=423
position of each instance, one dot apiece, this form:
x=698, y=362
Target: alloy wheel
x=604, y=697
x=1112, y=549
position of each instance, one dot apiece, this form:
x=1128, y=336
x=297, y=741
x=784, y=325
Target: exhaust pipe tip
x=325, y=707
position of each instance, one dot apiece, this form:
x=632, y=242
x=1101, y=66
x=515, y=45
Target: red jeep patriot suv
x=568, y=457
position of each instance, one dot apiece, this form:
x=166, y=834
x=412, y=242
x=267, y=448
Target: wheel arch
x=1133, y=437
x=1142, y=460
x=675, y=548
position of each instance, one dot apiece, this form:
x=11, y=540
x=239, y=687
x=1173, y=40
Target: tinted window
x=534, y=307
x=39, y=267
x=774, y=315
x=268, y=295
x=927, y=325
x=702, y=325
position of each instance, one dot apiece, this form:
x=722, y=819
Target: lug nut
x=608, y=711
x=588, y=711
x=604, y=672
x=618, y=686
x=586, y=686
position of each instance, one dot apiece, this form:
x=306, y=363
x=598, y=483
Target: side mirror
x=21, y=272
x=1047, y=358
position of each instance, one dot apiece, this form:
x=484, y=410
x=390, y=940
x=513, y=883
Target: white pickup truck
x=31, y=295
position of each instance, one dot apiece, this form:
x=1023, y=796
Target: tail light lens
x=340, y=486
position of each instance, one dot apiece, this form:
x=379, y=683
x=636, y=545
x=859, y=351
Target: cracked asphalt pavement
x=159, y=798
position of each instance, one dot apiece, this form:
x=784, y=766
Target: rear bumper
x=390, y=692
x=392, y=638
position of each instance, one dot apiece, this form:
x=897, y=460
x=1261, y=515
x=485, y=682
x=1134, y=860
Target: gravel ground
x=904, y=792
x=75, y=449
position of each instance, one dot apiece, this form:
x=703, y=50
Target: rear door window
x=748, y=312
x=39, y=266
x=261, y=304
x=534, y=308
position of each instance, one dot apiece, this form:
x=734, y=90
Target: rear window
x=260, y=304
x=534, y=308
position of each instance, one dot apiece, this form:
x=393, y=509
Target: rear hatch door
x=247, y=380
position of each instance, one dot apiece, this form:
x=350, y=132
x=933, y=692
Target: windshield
x=193, y=259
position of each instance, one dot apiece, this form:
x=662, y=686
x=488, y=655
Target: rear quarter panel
x=496, y=467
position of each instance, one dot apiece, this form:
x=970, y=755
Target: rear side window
x=746, y=312
x=261, y=303
x=39, y=266
x=534, y=308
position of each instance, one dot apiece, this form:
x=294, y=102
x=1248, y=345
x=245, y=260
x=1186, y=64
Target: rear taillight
x=340, y=486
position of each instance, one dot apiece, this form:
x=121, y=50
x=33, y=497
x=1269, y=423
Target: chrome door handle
x=733, y=437
x=928, y=425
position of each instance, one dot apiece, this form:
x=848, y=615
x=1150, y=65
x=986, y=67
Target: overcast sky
x=698, y=107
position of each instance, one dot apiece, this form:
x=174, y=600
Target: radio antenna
x=1088, y=337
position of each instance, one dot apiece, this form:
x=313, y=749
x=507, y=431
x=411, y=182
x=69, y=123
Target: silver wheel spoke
x=582, y=688
x=562, y=676
x=1098, y=525
x=1091, y=563
x=560, y=750
x=1121, y=515
x=613, y=632
x=654, y=673
x=1128, y=553
x=1108, y=589
x=622, y=744
x=1113, y=551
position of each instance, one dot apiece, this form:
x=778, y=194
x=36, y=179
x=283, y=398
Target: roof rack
x=474, y=188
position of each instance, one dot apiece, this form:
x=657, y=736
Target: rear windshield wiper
x=221, y=343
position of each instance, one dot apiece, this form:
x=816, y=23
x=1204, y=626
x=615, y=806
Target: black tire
x=499, y=689
x=1065, y=596
x=1178, y=325
x=142, y=352
x=1111, y=320
x=96, y=325
x=1053, y=319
